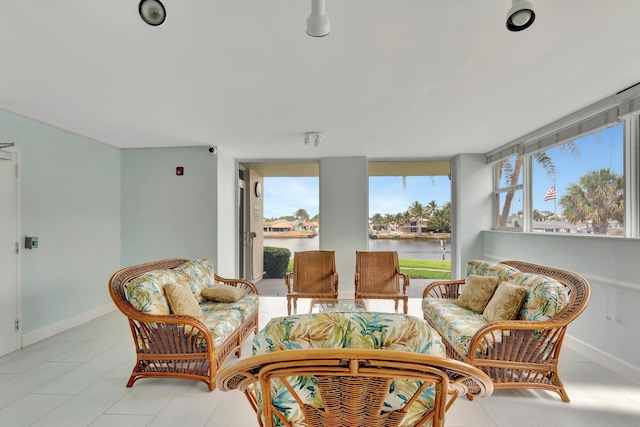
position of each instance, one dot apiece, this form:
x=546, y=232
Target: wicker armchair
x=177, y=346
x=519, y=353
x=378, y=277
x=314, y=276
x=353, y=385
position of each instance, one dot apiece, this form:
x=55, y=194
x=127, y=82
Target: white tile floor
x=78, y=378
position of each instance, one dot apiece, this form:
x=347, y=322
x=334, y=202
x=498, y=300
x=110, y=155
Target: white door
x=9, y=331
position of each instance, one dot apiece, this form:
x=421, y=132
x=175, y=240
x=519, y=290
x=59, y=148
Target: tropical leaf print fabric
x=490, y=268
x=202, y=275
x=146, y=294
x=367, y=330
x=546, y=298
x=456, y=324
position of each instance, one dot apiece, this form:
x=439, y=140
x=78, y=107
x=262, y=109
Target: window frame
x=631, y=179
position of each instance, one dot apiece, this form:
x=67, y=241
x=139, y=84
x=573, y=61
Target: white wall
x=471, y=187
x=226, y=225
x=610, y=266
x=71, y=201
x=165, y=215
x=344, y=218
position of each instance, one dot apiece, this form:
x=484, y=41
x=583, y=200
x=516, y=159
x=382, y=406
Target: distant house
x=550, y=226
x=311, y=226
x=556, y=226
x=411, y=227
x=277, y=227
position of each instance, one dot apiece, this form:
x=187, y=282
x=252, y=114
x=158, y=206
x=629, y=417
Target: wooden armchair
x=354, y=387
x=314, y=276
x=378, y=277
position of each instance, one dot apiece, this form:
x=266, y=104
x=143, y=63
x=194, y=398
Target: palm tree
x=401, y=218
x=388, y=220
x=597, y=198
x=441, y=219
x=445, y=217
x=431, y=208
x=417, y=212
x=537, y=216
x=511, y=173
x=376, y=221
x=302, y=215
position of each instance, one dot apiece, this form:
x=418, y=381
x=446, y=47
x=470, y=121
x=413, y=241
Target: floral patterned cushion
x=457, y=325
x=146, y=292
x=245, y=306
x=490, y=268
x=222, y=324
x=202, y=274
x=546, y=298
x=348, y=330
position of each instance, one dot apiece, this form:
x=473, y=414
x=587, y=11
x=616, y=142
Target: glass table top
x=319, y=305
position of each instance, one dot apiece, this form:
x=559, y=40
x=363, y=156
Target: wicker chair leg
x=561, y=391
x=132, y=380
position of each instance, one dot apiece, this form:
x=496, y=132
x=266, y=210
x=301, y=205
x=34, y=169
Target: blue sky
x=603, y=149
x=283, y=196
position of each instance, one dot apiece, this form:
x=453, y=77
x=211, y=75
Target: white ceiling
x=395, y=79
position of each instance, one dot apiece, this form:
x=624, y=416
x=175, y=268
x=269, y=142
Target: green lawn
x=425, y=268
x=418, y=268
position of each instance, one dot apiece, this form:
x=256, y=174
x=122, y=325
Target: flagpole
x=551, y=195
x=555, y=215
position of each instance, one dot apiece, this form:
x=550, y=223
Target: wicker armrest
x=446, y=289
x=239, y=283
x=353, y=374
x=288, y=280
x=509, y=340
x=405, y=282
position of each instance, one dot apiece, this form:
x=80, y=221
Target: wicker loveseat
x=518, y=353
x=172, y=345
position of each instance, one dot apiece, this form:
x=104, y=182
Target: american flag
x=551, y=194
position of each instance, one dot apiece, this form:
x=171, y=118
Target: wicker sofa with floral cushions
x=333, y=361
x=509, y=319
x=186, y=321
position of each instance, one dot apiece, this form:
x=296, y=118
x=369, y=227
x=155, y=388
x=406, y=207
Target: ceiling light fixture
x=318, y=24
x=520, y=16
x=314, y=137
x=152, y=12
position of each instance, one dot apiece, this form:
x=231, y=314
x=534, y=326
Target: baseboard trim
x=55, y=328
x=620, y=367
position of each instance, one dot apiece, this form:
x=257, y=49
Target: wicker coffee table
x=320, y=305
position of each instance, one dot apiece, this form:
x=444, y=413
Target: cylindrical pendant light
x=318, y=24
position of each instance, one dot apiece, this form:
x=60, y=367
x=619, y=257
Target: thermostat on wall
x=31, y=242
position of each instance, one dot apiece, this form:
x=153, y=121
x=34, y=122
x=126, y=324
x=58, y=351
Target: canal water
x=406, y=248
